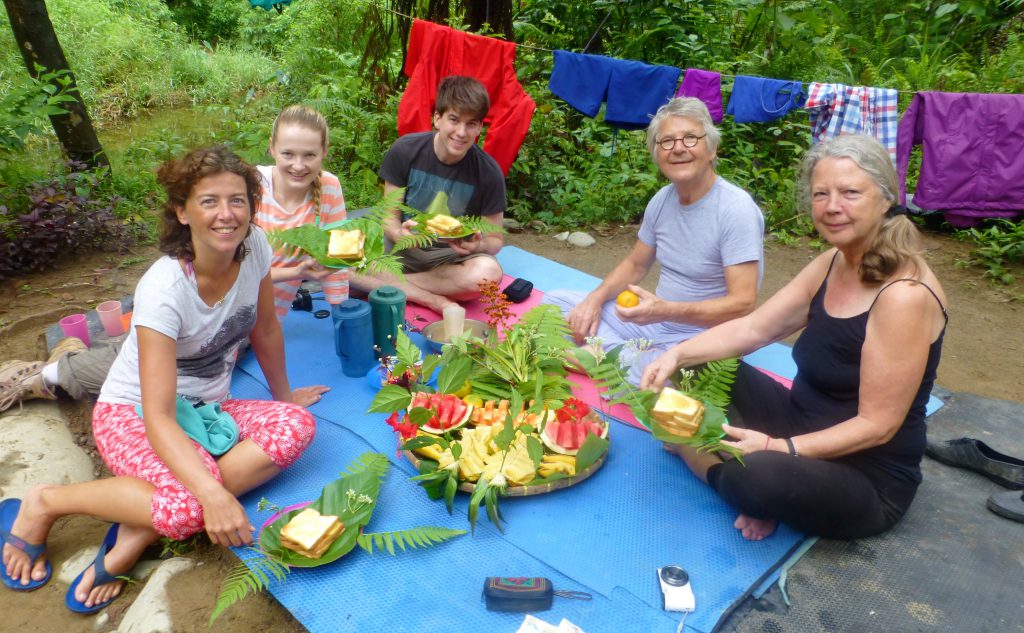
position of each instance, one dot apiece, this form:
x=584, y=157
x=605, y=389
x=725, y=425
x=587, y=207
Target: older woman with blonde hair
x=839, y=454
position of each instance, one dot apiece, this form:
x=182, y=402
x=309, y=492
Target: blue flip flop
x=9, y=509
x=102, y=577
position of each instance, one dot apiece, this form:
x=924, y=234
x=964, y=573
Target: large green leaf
x=454, y=374
x=314, y=240
x=592, y=449
x=389, y=399
x=335, y=499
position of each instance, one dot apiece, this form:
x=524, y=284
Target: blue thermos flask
x=353, y=337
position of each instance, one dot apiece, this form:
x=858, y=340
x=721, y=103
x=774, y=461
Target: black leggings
x=829, y=498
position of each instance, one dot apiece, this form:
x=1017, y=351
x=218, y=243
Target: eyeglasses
x=669, y=143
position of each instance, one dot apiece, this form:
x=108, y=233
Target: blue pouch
x=207, y=424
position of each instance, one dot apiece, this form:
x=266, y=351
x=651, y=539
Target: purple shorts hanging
x=706, y=86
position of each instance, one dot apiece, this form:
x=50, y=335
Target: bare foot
x=32, y=525
x=754, y=529
x=131, y=542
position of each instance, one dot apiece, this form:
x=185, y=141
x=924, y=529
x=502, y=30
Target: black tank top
x=826, y=387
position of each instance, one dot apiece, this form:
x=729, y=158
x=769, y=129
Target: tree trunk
x=38, y=43
x=496, y=13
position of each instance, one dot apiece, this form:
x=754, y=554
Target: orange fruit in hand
x=628, y=299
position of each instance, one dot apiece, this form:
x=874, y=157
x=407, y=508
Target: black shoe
x=975, y=455
x=1008, y=504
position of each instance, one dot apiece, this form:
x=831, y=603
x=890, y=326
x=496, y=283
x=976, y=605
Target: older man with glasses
x=705, y=232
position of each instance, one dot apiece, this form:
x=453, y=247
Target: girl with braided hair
x=297, y=191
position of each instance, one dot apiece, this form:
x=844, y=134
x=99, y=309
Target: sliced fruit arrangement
x=571, y=426
x=490, y=414
x=449, y=411
x=563, y=432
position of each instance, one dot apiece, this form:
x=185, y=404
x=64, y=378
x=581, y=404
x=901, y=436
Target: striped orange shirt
x=270, y=216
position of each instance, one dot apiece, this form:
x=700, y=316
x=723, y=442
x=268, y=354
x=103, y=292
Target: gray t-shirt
x=694, y=243
x=207, y=338
x=475, y=185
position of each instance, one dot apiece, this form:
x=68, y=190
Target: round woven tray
x=526, y=491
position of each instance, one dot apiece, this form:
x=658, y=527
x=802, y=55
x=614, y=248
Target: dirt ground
x=981, y=355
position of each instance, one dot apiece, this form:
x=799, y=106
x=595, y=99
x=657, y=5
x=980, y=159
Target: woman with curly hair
x=194, y=307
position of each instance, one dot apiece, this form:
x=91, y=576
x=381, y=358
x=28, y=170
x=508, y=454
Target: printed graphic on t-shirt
x=211, y=359
x=423, y=187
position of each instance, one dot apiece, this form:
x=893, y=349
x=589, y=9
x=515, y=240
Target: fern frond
x=478, y=224
x=713, y=383
x=426, y=536
x=374, y=463
x=248, y=577
x=413, y=240
x=390, y=264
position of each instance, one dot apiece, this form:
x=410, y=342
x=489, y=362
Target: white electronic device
x=675, y=588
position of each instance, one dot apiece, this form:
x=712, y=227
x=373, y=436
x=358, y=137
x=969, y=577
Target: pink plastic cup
x=110, y=317
x=76, y=325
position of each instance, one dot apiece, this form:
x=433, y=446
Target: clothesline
x=980, y=176
x=549, y=50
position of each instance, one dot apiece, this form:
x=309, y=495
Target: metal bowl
x=435, y=336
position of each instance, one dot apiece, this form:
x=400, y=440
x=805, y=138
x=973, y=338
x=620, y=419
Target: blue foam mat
x=643, y=509
x=434, y=589
x=606, y=535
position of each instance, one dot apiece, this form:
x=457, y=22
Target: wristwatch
x=675, y=588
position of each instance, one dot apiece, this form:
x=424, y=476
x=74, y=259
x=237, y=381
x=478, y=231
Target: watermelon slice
x=566, y=433
x=449, y=411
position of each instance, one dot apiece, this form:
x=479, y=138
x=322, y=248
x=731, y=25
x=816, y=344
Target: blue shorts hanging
x=633, y=90
x=759, y=100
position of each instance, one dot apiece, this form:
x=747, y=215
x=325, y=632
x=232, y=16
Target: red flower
x=406, y=430
x=573, y=409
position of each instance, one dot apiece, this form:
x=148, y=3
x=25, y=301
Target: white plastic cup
x=454, y=321
x=110, y=317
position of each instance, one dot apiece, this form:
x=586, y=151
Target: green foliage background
x=161, y=76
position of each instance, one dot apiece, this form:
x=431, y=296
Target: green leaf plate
x=333, y=500
x=469, y=227
x=314, y=240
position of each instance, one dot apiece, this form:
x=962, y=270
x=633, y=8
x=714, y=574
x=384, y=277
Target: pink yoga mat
x=585, y=389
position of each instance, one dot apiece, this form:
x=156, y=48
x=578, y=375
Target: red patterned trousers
x=282, y=430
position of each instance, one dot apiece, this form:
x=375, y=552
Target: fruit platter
x=561, y=435
x=502, y=419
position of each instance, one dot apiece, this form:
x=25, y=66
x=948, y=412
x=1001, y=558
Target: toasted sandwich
x=444, y=225
x=310, y=533
x=347, y=245
x=677, y=412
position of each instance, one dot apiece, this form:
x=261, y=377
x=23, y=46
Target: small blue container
x=353, y=337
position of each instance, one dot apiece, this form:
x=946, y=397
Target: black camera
x=302, y=301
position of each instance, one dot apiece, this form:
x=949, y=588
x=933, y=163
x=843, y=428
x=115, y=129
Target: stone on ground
x=36, y=447
x=581, y=239
x=151, y=611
